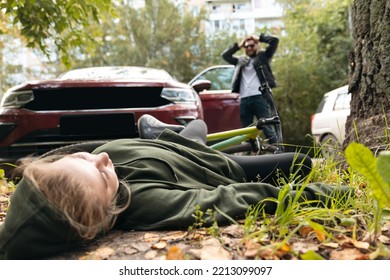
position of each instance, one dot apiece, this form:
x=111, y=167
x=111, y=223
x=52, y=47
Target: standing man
x=247, y=78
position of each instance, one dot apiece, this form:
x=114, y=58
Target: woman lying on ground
x=140, y=184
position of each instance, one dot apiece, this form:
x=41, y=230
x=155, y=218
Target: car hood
x=61, y=83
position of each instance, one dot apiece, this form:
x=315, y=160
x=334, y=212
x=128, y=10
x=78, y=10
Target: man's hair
x=249, y=38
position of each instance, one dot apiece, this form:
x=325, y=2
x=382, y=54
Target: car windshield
x=221, y=78
x=116, y=73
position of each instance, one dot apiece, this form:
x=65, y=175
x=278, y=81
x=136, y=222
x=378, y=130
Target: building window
x=217, y=25
x=242, y=24
x=216, y=8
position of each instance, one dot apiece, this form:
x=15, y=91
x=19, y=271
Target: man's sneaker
x=150, y=128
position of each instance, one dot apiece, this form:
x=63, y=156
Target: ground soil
x=156, y=245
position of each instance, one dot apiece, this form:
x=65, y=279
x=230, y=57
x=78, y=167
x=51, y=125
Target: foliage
x=160, y=34
x=312, y=59
x=376, y=170
x=43, y=24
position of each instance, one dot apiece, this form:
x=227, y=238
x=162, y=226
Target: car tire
x=330, y=146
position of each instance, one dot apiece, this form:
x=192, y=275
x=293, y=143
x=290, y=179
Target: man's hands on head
x=251, y=37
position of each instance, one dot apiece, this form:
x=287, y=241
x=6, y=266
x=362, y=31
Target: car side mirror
x=201, y=85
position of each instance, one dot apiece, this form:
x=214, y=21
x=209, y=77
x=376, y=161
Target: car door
x=220, y=105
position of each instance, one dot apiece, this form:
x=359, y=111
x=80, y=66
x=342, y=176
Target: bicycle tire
x=246, y=148
x=239, y=148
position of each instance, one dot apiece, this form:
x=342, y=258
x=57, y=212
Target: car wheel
x=330, y=146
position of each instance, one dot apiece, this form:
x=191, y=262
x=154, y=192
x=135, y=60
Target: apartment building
x=240, y=16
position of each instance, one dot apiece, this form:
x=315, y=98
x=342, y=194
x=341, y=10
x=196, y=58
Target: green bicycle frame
x=234, y=137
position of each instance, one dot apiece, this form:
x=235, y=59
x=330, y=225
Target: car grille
x=96, y=98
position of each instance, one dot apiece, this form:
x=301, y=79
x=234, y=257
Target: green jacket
x=168, y=178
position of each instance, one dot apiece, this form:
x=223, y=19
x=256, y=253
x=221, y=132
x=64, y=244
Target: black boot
x=150, y=128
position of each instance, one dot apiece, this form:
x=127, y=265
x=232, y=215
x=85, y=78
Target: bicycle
x=245, y=140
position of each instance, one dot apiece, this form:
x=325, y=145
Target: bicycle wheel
x=244, y=148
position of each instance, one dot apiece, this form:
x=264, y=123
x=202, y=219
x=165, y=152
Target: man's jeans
x=257, y=106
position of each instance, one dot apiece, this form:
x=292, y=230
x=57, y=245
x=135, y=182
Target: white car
x=328, y=123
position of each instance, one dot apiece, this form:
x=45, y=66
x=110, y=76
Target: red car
x=220, y=105
x=99, y=103
x=88, y=104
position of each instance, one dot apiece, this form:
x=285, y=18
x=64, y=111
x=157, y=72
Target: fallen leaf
x=333, y=245
x=304, y=231
x=196, y=236
x=386, y=228
x=384, y=239
x=303, y=247
x=321, y=236
x=283, y=250
x=150, y=255
x=346, y=254
x=212, y=250
x=234, y=231
x=130, y=251
x=99, y=254
x=360, y=244
x=251, y=248
x=151, y=237
x=174, y=236
x=267, y=253
x=174, y=253
x=159, y=245
x=140, y=246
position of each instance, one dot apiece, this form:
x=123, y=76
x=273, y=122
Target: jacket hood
x=33, y=227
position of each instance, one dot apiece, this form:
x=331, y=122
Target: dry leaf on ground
x=212, y=250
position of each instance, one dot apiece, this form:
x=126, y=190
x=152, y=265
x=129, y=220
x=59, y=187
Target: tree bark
x=369, y=79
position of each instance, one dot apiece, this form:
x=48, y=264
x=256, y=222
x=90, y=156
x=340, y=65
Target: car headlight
x=179, y=95
x=17, y=99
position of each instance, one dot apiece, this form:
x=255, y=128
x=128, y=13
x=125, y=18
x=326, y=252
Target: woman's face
x=97, y=170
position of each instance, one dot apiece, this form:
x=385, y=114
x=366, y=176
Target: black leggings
x=265, y=168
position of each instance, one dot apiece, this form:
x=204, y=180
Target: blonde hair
x=73, y=197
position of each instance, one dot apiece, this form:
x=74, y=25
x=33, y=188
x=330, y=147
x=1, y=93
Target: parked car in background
x=220, y=105
x=90, y=104
x=328, y=122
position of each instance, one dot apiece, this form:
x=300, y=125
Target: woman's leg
x=264, y=168
x=268, y=168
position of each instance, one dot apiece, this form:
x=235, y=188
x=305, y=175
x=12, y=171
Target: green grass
x=358, y=219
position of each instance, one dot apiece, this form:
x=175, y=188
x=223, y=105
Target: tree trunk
x=369, y=79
